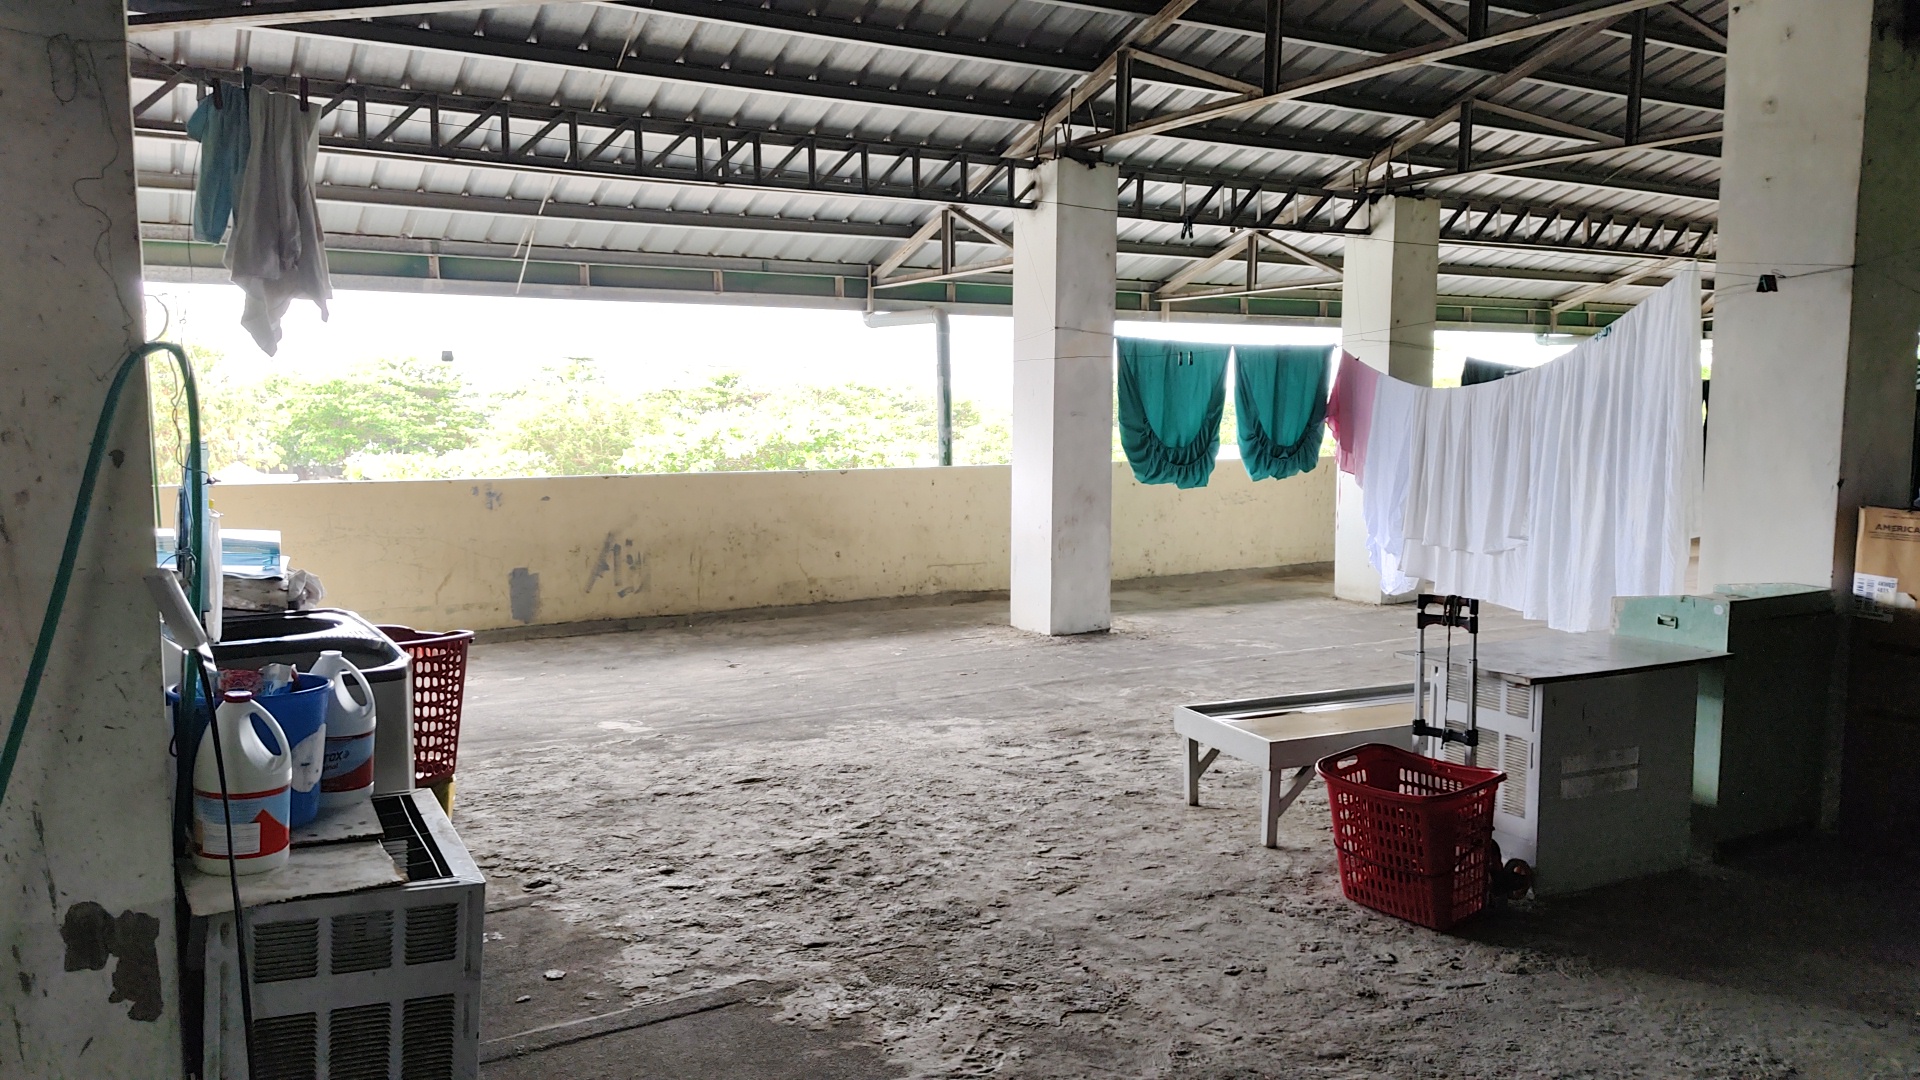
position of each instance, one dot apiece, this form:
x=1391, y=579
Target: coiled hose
x=194, y=480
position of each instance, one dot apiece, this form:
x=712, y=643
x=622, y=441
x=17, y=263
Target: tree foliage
x=407, y=419
x=387, y=407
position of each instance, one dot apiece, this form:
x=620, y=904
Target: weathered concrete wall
x=86, y=874
x=1813, y=392
x=494, y=553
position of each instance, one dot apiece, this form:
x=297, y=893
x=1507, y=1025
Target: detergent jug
x=347, y=776
x=255, y=797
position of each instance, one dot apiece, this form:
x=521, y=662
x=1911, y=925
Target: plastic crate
x=1413, y=834
x=439, y=688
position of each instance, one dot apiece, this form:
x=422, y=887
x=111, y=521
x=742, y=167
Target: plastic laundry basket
x=439, y=688
x=1412, y=833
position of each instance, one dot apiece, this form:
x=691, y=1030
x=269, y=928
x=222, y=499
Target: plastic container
x=302, y=715
x=352, y=730
x=1413, y=835
x=299, y=637
x=439, y=690
x=255, y=796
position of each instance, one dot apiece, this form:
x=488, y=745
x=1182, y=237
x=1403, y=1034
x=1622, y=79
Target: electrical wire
x=202, y=660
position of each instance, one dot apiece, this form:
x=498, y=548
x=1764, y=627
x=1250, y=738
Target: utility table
x=1292, y=732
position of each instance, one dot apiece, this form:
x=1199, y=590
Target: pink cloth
x=1350, y=414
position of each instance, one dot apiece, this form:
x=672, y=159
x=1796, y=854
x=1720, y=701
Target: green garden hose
x=194, y=480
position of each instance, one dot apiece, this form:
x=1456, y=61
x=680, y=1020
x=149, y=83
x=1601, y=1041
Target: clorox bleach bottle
x=347, y=776
x=255, y=796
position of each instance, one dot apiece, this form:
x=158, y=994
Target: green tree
x=579, y=426
x=387, y=407
x=236, y=415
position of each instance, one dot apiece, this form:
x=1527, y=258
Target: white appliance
x=1595, y=734
x=379, y=983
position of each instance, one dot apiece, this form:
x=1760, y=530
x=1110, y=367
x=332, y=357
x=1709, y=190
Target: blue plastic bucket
x=302, y=714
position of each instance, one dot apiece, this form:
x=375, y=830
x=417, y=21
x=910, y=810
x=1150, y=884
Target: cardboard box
x=1886, y=563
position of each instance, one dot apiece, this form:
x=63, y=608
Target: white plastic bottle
x=259, y=783
x=347, y=776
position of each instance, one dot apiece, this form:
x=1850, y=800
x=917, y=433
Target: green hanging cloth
x=1280, y=400
x=1171, y=397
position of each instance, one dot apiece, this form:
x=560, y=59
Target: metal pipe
x=943, y=386
x=942, y=368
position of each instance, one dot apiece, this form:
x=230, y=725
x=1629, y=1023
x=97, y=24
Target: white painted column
x=1063, y=286
x=1813, y=384
x=84, y=829
x=1386, y=320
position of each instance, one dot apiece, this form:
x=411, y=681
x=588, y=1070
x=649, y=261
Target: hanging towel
x=277, y=252
x=1350, y=413
x=1280, y=401
x=1171, y=397
x=1388, y=476
x=220, y=126
x=1554, y=490
x=1475, y=372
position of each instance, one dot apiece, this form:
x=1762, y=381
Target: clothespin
x=215, y=91
x=303, y=95
x=246, y=78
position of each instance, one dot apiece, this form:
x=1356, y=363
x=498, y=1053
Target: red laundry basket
x=1412, y=833
x=439, y=688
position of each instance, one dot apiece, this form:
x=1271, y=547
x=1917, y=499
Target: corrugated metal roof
x=954, y=76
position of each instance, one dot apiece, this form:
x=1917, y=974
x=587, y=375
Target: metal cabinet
x=1762, y=716
x=1595, y=734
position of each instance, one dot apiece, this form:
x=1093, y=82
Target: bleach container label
x=349, y=764
x=259, y=824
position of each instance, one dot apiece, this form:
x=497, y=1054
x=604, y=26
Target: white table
x=1292, y=732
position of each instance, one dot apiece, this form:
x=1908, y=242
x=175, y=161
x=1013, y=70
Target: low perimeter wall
x=485, y=554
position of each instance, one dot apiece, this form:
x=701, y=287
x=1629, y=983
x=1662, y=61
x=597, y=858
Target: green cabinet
x=1759, y=742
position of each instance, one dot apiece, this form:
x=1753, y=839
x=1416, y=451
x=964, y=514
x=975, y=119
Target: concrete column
x=86, y=869
x=1386, y=320
x=1063, y=286
x=1813, y=384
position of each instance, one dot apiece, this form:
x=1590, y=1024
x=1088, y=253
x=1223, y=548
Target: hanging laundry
x=1475, y=372
x=1388, y=477
x=220, y=126
x=1350, y=413
x=1172, y=395
x=1550, y=491
x=277, y=252
x=1280, y=402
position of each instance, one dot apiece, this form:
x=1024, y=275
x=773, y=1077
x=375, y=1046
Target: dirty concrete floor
x=962, y=851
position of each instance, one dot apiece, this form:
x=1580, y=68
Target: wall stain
x=628, y=568
x=523, y=594
x=93, y=937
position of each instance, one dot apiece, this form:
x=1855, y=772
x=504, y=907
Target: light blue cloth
x=224, y=135
x=1280, y=400
x=1171, y=397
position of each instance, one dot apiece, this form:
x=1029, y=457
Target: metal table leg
x=1276, y=797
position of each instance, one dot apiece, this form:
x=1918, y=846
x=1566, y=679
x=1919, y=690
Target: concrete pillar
x=1813, y=384
x=86, y=869
x=1386, y=320
x=1063, y=286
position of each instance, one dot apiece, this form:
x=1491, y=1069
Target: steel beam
x=1553, y=157
x=1273, y=37
x=1436, y=19
x=1574, y=15
x=1143, y=33
x=1484, y=89
x=1581, y=296
x=196, y=14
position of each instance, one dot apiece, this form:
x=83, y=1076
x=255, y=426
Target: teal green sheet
x=1171, y=396
x=1280, y=401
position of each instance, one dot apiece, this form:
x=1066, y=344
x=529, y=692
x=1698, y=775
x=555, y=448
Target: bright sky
x=497, y=342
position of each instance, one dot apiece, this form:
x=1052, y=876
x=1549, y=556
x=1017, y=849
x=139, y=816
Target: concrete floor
x=957, y=850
